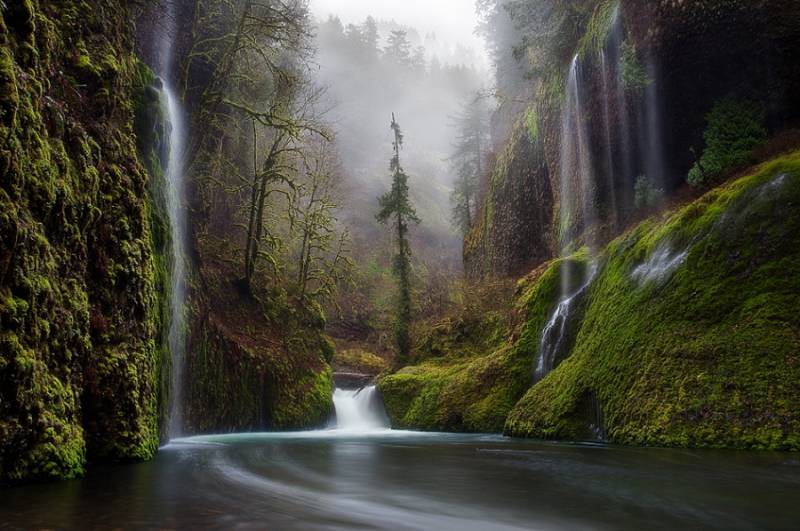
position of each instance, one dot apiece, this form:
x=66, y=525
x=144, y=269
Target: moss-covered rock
x=691, y=332
x=468, y=380
x=359, y=360
x=78, y=294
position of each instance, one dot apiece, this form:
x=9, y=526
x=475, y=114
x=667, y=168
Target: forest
x=320, y=264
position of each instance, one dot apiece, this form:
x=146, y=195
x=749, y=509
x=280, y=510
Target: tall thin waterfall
x=577, y=175
x=175, y=201
x=177, y=220
x=653, y=146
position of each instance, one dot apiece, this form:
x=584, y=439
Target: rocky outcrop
x=513, y=229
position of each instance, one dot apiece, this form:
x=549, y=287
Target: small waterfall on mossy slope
x=555, y=331
x=177, y=219
x=359, y=410
x=577, y=212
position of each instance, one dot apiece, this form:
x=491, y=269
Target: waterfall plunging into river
x=177, y=220
x=359, y=410
x=174, y=199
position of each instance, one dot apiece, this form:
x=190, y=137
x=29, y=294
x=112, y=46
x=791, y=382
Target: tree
x=323, y=261
x=418, y=61
x=396, y=204
x=291, y=120
x=467, y=159
x=369, y=30
x=398, y=48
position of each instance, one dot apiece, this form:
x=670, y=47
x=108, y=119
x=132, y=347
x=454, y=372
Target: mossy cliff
x=688, y=335
x=246, y=373
x=79, y=318
x=691, y=333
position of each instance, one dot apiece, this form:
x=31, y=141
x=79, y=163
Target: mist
x=366, y=84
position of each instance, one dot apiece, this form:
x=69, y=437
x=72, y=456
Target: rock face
x=688, y=55
x=688, y=336
x=514, y=228
x=80, y=353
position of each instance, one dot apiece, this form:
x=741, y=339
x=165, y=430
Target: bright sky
x=452, y=20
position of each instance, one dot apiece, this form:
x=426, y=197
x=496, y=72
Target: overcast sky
x=452, y=20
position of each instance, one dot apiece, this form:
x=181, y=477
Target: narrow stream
x=361, y=475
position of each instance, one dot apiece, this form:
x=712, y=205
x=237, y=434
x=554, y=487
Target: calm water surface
x=401, y=480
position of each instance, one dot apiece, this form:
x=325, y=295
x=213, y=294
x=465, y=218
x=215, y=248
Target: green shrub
x=735, y=129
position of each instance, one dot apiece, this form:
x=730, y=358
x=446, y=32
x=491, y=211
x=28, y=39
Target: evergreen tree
x=396, y=204
x=398, y=47
x=369, y=30
x=418, y=62
x=468, y=159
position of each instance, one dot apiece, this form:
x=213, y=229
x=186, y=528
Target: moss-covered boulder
x=691, y=332
x=467, y=378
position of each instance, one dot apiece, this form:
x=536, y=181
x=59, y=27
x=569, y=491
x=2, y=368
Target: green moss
x=468, y=380
x=360, y=361
x=304, y=402
x=9, y=96
x=78, y=302
x=532, y=122
x=598, y=28
x=703, y=355
x=633, y=73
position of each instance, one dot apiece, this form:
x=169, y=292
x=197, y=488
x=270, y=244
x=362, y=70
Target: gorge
x=266, y=264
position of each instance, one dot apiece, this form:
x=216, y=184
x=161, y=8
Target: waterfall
x=177, y=221
x=577, y=174
x=555, y=331
x=359, y=410
x=653, y=146
x=175, y=203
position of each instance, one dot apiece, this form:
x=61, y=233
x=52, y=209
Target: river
x=369, y=477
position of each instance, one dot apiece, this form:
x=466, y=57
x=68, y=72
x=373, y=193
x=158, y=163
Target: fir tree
x=396, y=204
x=467, y=160
x=398, y=48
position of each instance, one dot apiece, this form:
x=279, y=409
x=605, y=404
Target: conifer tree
x=396, y=205
x=398, y=48
x=467, y=160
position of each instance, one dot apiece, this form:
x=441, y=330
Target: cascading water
x=577, y=173
x=174, y=200
x=359, y=410
x=653, y=145
x=577, y=180
x=555, y=330
x=177, y=221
